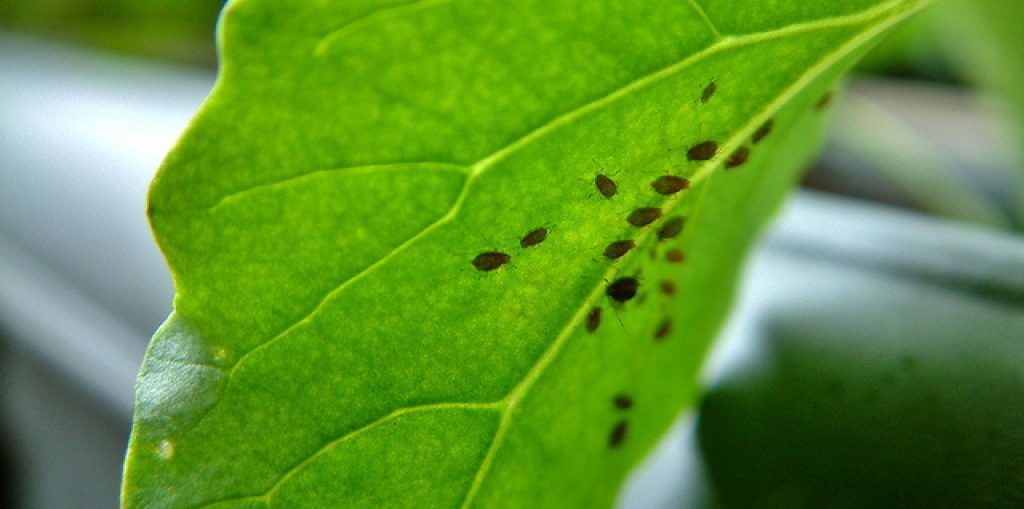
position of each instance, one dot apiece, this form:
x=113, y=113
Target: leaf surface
x=333, y=343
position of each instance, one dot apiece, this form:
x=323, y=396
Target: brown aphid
x=708, y=92
x=534, y=237
x=824, y=101
x=675, y=256
x=764, y=130
x=622, y=401
x=605, y=185
x=618, y=434
x=664, y=328
x=702, y=151
x=670, y=184
x=671, y=228
x=618, y=248
x=644, y=216
x=490, y=260
x=623, y=289
x=737, y=158
x=593, y=319
x=667, y=287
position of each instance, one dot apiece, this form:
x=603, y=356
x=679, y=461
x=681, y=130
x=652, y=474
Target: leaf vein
x=347, y=171
x=520, y=390
x=703, y=173
x=707, y=21
x=392, y=12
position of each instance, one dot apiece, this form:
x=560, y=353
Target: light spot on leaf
x=165, y=450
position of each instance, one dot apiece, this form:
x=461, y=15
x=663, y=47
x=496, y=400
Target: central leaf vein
x=548, y=357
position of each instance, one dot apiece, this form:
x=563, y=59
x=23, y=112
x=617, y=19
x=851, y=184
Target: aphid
x=675, y=256
x=490, y=260
x=708, y=92
x=644, y=216
x=663, y=329
x=824, y=101
x=622, y=401
x=737, y=158
x=670, y=184
x=605, y=185
x=534, y=237
x=702, y=151
x=618, y=434
x=618, y=248
x=764, y=130
x=671, y=228
x=623, y=289
x=593, y=319
x=667, y=287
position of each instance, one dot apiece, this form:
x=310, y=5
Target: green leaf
x=333, y=343
x=990, y=54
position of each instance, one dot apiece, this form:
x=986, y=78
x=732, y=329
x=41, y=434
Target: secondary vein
x=477, y=169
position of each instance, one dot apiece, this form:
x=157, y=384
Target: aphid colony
x=625, y=288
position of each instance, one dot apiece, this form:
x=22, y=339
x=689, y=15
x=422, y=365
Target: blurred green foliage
x=989, y=53
x=177, y=30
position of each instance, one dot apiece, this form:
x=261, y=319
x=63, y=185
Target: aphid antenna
x=478, y=236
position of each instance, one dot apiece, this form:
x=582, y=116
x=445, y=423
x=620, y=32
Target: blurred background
x=879, y=330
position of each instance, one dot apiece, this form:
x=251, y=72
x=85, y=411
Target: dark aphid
x=737, y=158
x=618, y=434
x=764, y=130
x=618, y=248
x=675, y=256
x=824, y=101
x=708, y=92
x=663, y=329
x=534, y=237
x=490, y=260
x=671, y=228
x=623, y=289
x=702, y=151
x=605, y=185
x=667, y=287
x=593, y=319
x=670, y=184
x=622, y=401
x=644, y=216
